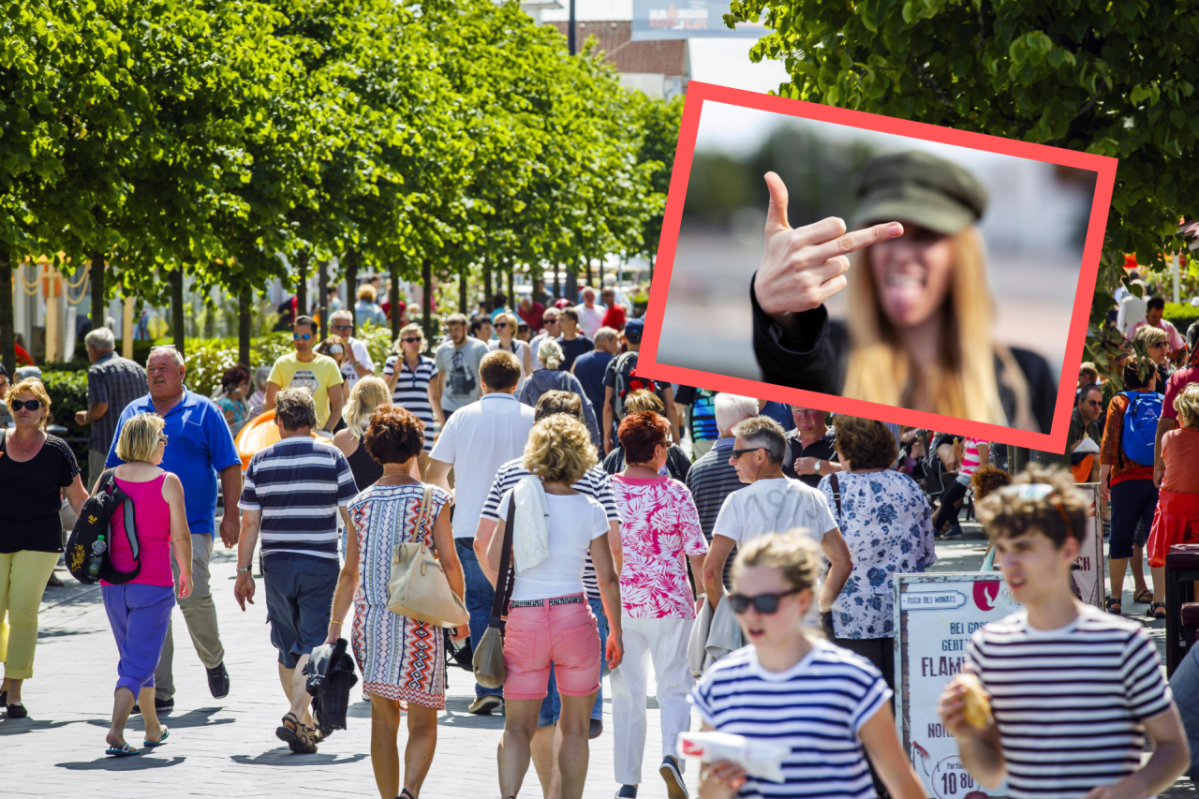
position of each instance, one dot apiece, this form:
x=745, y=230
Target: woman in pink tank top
x=140, y=610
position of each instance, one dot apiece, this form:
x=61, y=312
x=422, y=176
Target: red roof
x=667, y=58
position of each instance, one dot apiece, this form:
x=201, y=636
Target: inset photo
x=901, y=270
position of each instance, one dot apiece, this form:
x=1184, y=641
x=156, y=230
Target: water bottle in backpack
x=95, y=560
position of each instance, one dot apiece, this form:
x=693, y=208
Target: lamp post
x=570, y=31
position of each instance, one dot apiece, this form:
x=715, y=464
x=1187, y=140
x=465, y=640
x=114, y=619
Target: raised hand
x=806, y=266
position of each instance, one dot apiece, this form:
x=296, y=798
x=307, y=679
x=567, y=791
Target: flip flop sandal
x=125, y=750
x=1144, y=597
x=1154, y=608
x=162, y=739
x=295, y=738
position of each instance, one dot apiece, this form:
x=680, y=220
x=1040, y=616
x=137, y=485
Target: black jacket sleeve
x=809, y=356
x=1042, y=388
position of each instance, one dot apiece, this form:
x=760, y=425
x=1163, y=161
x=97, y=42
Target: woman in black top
x=919, y=329
x=35, y=470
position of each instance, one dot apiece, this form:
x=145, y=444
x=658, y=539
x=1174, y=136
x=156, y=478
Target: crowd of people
x=740, y=552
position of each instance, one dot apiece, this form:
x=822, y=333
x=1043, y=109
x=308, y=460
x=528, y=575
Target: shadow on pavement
x=285, y=757
x=456, y=715
x=136, y=763
x=21, y=726
x=192, y=718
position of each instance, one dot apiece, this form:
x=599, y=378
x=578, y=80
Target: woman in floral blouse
x=885, y=519
x=659, y=526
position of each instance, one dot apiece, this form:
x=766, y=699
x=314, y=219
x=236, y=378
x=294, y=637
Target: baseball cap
x=918, y=188
x=633, y=330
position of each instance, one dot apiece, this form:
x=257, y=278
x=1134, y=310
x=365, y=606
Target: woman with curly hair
x=400, y=658
x=885, y=520
x=987, y=479
x=549, y=619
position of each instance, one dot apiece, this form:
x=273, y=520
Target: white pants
x=665, y=642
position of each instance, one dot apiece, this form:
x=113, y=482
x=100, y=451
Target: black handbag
x=489, y=654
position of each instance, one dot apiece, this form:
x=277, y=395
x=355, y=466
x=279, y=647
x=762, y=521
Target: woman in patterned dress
x=402, y=660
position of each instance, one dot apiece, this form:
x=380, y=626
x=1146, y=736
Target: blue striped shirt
x=298, y=485
x=816, y=708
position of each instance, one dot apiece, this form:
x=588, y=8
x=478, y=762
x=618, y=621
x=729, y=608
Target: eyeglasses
x=411, y=341
x=163, y=437
x=341, y=327
x=763, y=603
x=1093, y=403
x=298, y=336
x=737, y=453
x=31, y=405
x=805, y=411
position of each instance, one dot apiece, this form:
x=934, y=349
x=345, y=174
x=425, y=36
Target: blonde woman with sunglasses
x=410, y=376
x=506, y=328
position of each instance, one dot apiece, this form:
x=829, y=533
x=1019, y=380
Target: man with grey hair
x=199, y=447
x=112, y=383
x=294, y=491
x=357, y=363
x=591, y=313
x=772, y=503
x=590, y=367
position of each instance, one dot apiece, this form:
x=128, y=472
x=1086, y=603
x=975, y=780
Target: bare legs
x=1138, y=570
x=295, y=688
x=385, y=755
x=520, y=727
x=546, y=742
x=122, y=706
x=13, y=687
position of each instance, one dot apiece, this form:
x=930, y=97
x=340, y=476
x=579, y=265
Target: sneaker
x=160, y=705
x=218, y=681
x=627, y=792
x=595, y=730
x=484, y=705
x=675, y=787
x=955, y=531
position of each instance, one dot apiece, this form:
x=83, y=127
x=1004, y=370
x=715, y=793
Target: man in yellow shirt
x=306, y=369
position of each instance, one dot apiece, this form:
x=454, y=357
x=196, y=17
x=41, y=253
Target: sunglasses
x=298, y=336
x=32, y=404
x=763, y=603
x=341, y=327
x=163, y=437
x=737, y=453
x=411, y=341
x=499, y=325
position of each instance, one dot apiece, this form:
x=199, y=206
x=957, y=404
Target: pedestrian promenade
x=227, y=748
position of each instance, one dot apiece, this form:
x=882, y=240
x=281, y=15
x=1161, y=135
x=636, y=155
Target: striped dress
x=400, y=658
x=411, y=390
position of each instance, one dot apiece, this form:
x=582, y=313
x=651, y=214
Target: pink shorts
x=565, y=635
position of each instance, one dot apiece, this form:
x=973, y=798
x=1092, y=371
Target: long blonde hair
x=962, y=382
x=367, y=396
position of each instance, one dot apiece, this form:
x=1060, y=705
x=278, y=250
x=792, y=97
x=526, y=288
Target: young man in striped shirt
x=1073, y=690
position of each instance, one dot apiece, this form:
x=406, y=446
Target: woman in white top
x=506, y=326
x=829, y=707
x=549, y=619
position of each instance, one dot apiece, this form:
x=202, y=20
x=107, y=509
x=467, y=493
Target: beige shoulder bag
x=419, y=588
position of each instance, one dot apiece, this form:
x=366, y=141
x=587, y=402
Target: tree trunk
x=512, y=288
x=323, y=301
x=557, y=282
x=488, y=293
x=244, y=303
x=351, y=280
x=302, y=307
x=463, y=291
x=572, y=283
x=178, y=318
x=426, y=300
x=96, y=276
x=588, y=262
x=8, y=338
x=393, y=295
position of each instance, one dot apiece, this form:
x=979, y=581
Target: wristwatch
x=246, y=570
x=816, y=468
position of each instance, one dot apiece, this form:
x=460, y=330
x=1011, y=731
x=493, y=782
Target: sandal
x=295, y=735
x=124, y=750
x=1154, y=608
x=405, y=794
x=162, y=739
x=1144, y=596
x=1113, y=602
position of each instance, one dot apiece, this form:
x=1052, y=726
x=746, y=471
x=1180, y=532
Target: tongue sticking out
x=901, y=294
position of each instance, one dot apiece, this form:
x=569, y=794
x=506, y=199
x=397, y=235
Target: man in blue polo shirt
x=200, y=448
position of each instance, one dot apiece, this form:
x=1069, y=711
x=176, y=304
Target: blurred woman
x=780, y=689
x=258, y=398
x=885, y=520
x=402, y=660
x=139, y=611
x=1176, y=520
x=677, y=463
x=235, y=384
x=985, y=480
x=549, y=619
x=505, y=329
x=919, y=330
x=1157, y=346
x=550, y=377
x=408, y=374
x=35, y=470
x=659, y=527
x=367, y=310
x=368, y=395
x=335, y=348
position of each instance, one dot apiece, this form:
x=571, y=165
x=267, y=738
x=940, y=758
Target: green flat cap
x=920, y=189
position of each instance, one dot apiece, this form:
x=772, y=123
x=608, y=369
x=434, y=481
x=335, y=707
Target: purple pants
x=139, y=616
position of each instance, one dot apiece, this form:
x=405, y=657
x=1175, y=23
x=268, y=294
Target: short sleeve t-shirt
x=816, y=708
x=30, y=495
x=461, y=368
x=315, y=376
x=1070, y=703
x=659, y=525
x=1174, y=386
x=349, y=374
x=773, y=506
x=575, y=521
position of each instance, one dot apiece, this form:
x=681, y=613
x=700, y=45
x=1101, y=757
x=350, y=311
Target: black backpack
x=90, y=544
x=628, y=381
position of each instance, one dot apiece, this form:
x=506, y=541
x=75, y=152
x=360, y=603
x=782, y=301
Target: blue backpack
x=1140, y=425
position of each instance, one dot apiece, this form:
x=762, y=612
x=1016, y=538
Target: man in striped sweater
x=1073, y=690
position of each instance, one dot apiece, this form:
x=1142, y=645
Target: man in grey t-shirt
x=457, y=381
